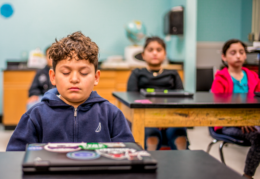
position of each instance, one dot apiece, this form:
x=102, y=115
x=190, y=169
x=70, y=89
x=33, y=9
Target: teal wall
x=38, y=23
x=220, y=20
x=246, y=19
x=183, y=47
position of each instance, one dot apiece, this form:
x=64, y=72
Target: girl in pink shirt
x=236, y=79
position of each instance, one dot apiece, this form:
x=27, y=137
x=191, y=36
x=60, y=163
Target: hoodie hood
x=52, y=100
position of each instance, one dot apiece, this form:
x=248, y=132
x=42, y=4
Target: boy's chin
x=76, y=99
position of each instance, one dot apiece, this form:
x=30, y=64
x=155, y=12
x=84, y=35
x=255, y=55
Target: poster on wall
x=36, y=59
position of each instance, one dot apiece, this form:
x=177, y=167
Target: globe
x=135, y=31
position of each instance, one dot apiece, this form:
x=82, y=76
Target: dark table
x=203, y=109
x=171, y=164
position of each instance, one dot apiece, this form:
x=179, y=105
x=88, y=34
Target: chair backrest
x=226, y=138
x=204, y=79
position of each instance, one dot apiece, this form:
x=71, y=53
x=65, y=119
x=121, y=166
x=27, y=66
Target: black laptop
x=151, y=92
x=87, y=157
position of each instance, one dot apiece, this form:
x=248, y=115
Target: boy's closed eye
x=65, y=72
x=84, y=72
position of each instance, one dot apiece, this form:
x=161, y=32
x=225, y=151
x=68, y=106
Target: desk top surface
x=199, y=100
x=171, y=164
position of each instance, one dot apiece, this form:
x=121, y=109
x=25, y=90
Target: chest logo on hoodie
x=98, y=128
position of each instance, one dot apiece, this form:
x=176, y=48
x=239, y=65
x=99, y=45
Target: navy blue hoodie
x=52, y=120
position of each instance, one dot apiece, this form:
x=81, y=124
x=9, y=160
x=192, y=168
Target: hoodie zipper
x=75, y=112
x=75, y=125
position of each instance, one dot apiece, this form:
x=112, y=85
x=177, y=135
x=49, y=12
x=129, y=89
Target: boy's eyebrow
x=65, y=66
x=69, y=67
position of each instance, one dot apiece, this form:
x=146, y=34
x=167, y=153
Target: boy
x=41, y=83
x=72, y=112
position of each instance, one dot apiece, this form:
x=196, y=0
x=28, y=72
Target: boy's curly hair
x=76, y=46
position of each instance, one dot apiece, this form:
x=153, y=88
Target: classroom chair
x=225, y=140
x=204, y=79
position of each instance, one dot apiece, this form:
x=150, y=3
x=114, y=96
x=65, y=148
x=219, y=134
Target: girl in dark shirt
x=153, y=76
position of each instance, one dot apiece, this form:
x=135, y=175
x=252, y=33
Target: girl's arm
x=217, y=87
x=257, y=89
x=132, y=84
x=178, y=81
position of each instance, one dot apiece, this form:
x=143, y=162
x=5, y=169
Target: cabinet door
x=110, y=81
x=15, y=95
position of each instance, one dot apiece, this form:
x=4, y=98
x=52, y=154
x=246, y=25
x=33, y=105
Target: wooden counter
x=17, y=83
x=15, y=94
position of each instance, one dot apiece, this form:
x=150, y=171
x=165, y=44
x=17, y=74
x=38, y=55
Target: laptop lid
x=55, y=157
x=151, y=92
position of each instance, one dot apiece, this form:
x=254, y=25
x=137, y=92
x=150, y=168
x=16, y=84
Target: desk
x=171, y=164
x=203, y=109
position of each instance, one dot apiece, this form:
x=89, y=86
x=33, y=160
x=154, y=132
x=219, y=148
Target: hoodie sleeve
x=35, y=87
x=121, y=131
x=24, y=133
x=257, y=89
x=257, y=80
x=217, y=86
x=178, y=81
x=132, y=84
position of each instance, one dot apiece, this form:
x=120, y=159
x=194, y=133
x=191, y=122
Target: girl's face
x=235, y=55
x=154, y=54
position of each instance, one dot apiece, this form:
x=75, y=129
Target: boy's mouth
x=74, y=89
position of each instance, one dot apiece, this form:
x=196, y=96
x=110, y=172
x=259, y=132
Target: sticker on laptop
x=34, y=148
x=92, y=146
x=62, y=147
x=116, y=153
x=138, y=155
x=114, y=144
x=83, y=155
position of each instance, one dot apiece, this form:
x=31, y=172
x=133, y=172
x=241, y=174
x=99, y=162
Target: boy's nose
x=74, y=77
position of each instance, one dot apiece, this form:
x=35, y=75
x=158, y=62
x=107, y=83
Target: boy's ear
x=52, y=77
x=97, y=76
